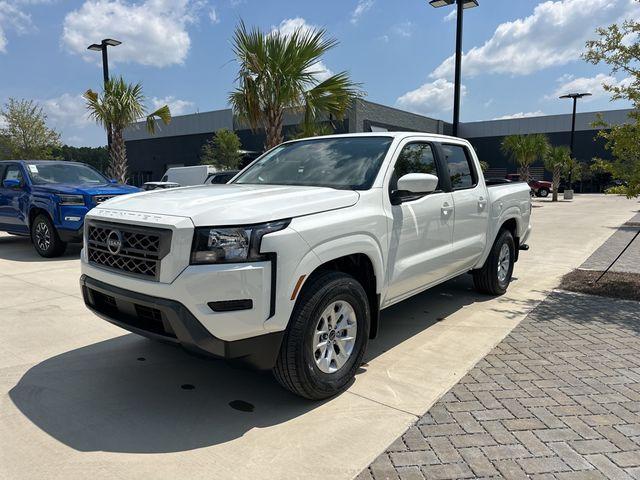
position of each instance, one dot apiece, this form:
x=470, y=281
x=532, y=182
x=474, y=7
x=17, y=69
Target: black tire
x=543, y=192
x=45, y=238
x=296, y=368
x=486, y=279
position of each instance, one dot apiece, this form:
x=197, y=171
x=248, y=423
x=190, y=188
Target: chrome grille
x=98, y=199
x=132, y=250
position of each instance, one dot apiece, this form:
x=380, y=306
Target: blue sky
x=519, y=55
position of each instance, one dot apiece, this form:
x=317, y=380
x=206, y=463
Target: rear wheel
x=543, y=192
x=495, y=275
x=326, y=337
x=45, y=238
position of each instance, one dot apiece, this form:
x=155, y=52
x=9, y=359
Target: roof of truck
x=402, y=134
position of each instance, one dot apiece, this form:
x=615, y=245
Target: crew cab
x=48, y=200
x=288, y=266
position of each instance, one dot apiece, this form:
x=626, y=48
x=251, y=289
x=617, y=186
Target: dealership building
x=180, y=142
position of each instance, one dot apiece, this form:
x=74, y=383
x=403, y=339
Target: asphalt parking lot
x=81, y=397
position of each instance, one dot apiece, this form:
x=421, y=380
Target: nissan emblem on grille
x=114, y=242
x=135, y=251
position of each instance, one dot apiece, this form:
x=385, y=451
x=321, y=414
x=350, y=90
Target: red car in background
x=541, y=188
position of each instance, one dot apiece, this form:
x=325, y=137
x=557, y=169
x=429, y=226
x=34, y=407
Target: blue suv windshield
x=344, y=163
x=73, y=173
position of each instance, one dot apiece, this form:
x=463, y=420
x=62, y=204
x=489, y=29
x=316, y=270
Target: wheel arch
x=509, y=220
x=36, y=210
x=363, y=261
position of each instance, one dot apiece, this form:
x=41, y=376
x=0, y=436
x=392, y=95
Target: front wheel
x=45, y=238
x=495, y=275
x=326, y=337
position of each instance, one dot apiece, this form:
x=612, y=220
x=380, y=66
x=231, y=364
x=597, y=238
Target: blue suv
x=48, y=200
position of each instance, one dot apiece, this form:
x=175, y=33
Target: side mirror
x=418, y=183
x=12, y=183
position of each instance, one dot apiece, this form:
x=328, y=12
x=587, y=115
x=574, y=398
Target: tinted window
x=13, y=173
x=414, y=158
x=222, y=178
x=69, y=172
x=348, y=163
x=460, y=167
x=2, y=167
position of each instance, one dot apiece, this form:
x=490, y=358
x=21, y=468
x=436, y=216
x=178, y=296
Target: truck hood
x=88, y=189
x=235, y=204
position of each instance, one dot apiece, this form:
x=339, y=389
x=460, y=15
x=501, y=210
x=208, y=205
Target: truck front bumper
x=169, y=320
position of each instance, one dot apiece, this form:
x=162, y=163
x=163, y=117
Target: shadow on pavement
x=125, y=395
x=19, y=249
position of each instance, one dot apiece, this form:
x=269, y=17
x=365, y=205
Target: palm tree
x=120, y=105
x=555, y=161
x=525, y=150
x=280, y=72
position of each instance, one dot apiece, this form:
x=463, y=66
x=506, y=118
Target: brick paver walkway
x=629, y=261
x=558, y=398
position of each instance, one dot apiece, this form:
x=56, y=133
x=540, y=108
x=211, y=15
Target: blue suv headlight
x=71, y=200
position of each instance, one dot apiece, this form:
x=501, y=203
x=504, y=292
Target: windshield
x=50, y=173
x=346, y=163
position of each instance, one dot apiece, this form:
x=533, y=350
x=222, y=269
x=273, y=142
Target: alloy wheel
x=335, y=336
x=43, y=236
x=504, y=262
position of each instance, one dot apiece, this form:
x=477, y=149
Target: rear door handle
x=446, y=209
x=481, y=203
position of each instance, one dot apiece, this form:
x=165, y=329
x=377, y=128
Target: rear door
x=12, y=200
x=470, y=204
x=421, y=228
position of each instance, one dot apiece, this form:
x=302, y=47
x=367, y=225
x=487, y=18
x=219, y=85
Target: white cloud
x=68, y=114
x=431, y=98
x=67, y=110
x=13, y=17
x=177, y=106
x=451, y=15
x=593, y=85
x=554, y=34
x=213, y=15
x=404, y=29
x=362, y=7
x=290, y=25
x=153, y=32
x=537, y=113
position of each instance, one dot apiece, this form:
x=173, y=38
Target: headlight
x=71, y=199
x=231, y=244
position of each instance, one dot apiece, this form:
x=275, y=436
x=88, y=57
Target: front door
x=471, y=207
x=421, y=229
x=11, y=214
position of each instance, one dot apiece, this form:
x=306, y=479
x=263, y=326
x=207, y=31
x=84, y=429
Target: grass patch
x=613, y=284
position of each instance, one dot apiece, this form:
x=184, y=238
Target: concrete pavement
x=81, y=397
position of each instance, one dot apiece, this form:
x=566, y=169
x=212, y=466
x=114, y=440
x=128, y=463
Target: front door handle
x=446, y=209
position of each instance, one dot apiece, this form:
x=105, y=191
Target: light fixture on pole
x=461, y=6
x=102, y=47
x=575, y=97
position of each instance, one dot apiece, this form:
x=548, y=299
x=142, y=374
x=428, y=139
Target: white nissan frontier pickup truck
x=288, y=266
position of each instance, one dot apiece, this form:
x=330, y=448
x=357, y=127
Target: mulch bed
x=613, y=284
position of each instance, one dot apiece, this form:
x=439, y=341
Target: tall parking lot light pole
x=102, y=47
x=575, y=97
x=461, y=5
